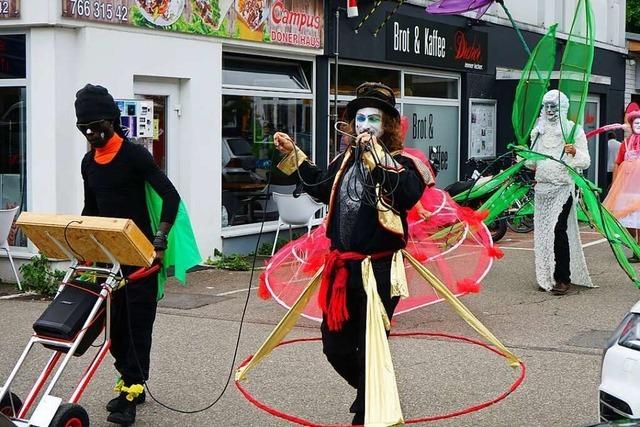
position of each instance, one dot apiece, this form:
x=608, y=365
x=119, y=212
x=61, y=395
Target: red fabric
x=263, y=292
x=332, y=297
x=495, y=252
x=468, y=285
x=473, y=218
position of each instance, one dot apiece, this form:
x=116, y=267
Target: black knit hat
x=94, y=103
x=376, y=95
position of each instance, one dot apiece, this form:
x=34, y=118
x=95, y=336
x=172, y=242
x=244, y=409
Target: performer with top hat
x=369, y=188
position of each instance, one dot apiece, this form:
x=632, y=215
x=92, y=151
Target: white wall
x=114, y=58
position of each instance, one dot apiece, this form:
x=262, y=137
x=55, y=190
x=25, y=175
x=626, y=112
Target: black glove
x=160, y=241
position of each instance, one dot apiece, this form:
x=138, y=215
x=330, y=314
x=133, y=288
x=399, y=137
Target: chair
x=6, y=221
x=294, y=211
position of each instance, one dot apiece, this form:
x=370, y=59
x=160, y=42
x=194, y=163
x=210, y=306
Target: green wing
x=575, y=70
x=532, y=86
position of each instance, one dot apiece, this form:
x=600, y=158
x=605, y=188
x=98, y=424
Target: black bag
x=68, y=312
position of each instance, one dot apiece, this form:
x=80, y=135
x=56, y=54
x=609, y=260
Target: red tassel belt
x=332, y=297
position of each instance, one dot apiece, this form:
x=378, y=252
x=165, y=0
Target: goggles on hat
x=91, y=127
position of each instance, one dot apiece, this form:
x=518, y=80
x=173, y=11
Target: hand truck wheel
x=70, y=415
x=10, y=405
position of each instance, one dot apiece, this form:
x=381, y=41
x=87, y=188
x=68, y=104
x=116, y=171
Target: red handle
x=143, y=273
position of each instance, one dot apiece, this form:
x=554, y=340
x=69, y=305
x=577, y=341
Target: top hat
x=376, y=95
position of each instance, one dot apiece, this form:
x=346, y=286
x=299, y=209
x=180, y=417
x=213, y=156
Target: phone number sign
x=112, y=11
x=9, y=9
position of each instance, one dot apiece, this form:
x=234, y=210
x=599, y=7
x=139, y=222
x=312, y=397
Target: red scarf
x=332, y=297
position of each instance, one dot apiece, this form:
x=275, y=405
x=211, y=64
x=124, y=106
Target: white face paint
x=551, y=110
x=635, y=126
x=369, y=120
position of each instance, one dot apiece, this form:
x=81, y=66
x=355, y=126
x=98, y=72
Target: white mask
x=635, y=126
x=369, y=120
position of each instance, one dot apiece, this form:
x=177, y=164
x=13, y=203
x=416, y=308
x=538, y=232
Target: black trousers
x=133, y=311
x=345, y=349
x=562, y=273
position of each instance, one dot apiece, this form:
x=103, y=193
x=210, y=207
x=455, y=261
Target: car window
x=240, y=147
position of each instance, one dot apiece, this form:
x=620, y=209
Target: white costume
x=554, y=186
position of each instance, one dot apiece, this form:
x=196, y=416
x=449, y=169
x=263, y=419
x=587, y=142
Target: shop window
x=240, y=70
x=13, y=154
x=430, y=86
x=352, y=76
x=249, y=156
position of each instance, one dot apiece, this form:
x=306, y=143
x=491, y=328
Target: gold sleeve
x=292, y=161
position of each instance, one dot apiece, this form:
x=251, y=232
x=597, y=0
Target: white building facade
x=52, y=48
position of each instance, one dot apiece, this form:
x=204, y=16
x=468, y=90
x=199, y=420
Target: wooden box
x=121, y=237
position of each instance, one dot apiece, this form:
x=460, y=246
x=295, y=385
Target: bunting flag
x=352, y=8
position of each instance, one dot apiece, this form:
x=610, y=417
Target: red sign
x=295, y=27
x=466, y=51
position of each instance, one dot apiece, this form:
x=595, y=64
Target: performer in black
x=115, y=171
x=369, y=189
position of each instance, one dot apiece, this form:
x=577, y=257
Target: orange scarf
x=104, y=155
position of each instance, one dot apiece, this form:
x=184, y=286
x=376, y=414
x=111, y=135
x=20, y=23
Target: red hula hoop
x=468, y=410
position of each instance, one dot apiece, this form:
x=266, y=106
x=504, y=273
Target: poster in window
x=482, y=128
x=289, y=22
x=433, y=129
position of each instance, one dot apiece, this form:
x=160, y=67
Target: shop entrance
x=165, y=95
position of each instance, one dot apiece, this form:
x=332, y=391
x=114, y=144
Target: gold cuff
x=292, y=161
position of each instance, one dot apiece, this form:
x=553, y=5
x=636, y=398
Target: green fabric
x=532, y=86
x=575, y=70
x=182, y=252
x=480, y=190
x=502, y=199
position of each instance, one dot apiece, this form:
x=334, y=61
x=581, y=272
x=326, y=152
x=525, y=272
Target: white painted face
x=635, y=126
x=369, y=120
x=551, y=110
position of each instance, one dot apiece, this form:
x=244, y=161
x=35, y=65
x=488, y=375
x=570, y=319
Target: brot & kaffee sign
x=291, y=22
x=419, y=42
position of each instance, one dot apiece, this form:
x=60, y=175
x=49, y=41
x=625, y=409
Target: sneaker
x=560, y=288
x=116, y=404
x=125, y=416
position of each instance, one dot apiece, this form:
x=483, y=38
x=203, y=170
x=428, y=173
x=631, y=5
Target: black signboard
x=424, y=43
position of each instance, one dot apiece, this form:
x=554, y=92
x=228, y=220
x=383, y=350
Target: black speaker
x=64, y=317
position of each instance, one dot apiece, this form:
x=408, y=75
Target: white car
x=620, y=383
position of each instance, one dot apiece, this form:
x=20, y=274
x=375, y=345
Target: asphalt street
x=560, y=340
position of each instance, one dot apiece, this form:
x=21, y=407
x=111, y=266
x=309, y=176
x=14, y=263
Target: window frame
x=23, y=83
x=403, y=99
x=278, y=93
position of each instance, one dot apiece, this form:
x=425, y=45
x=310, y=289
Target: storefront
x=455, y=81
x=203, y=85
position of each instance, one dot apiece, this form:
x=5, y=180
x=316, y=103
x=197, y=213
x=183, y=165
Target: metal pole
x=335, y=87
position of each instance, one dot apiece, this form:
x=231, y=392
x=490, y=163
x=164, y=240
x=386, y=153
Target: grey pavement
x=559, y=338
